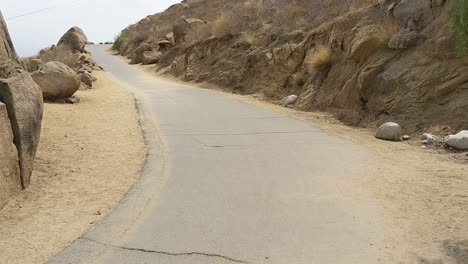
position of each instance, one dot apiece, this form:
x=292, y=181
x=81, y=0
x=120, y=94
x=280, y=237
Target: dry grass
x=199, y=33
x=386, y=31
x=320, y=60
x=85, y=163
x=223, y=25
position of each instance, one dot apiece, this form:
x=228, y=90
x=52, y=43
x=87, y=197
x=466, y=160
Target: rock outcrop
x=57, y=80
x=23, y=102
x=10, y=181
x=74, y=38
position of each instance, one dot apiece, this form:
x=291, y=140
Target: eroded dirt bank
x=90, y=154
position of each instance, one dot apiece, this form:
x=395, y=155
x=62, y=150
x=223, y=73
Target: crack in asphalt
x=242, y=134
x=231, y=259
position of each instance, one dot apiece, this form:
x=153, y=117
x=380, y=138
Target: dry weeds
x=319, y=60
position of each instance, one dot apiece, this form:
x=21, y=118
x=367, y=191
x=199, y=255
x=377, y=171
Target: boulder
x=183, y=26
x=138, y=56
x=288, y=100
x=389, y=131
x=57, y=80
x=10, y=180
x=24, y=105
x=458, y=141
x=151, y=57
x=74, y=38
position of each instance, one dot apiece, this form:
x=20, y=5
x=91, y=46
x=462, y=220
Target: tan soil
x=423, y=192
x=90, y=154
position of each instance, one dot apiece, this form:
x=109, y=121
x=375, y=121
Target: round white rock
x=458, y=141
x=389, y=131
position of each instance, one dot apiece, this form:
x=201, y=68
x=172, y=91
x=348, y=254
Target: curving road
x=229, y=182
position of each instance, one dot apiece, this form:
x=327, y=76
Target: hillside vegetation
x=367, y=61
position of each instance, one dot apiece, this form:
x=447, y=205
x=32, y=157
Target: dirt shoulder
x=90, y=154
x=422, y=192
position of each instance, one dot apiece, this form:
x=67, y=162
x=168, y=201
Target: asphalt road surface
x=230, y=182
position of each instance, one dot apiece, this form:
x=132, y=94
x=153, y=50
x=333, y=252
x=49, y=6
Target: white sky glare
x=101, y=20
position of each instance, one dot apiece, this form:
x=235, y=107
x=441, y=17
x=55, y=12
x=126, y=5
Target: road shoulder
x=90, y=154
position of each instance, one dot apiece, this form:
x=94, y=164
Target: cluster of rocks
x=21, y=109
x=85, y=69
x=60, y=82
x=393, y=132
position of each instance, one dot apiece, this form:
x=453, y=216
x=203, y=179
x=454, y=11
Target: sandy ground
x=90, y=154
x=423, y=192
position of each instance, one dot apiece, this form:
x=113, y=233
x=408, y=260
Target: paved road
x=232, y=183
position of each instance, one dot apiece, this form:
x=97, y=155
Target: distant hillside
x=367, y=61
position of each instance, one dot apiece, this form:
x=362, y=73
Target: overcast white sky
x=100, y=19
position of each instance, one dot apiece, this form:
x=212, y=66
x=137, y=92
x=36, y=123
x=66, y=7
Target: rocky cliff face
x=21, y=110
x=389, y=60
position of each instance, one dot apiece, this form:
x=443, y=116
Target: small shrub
x=119, y=43
x=84, y=56
x=320, y=60
x=460, y=24
x=31, y=65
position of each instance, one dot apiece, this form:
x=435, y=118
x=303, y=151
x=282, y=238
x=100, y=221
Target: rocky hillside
x=367, y=61
x=21, y=110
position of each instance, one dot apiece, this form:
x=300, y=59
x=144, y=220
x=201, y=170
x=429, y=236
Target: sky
x=101, y=20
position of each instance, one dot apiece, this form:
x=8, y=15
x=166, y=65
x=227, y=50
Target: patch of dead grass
x=320, y=60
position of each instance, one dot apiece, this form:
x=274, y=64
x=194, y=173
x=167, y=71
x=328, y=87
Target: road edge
x=153, y=175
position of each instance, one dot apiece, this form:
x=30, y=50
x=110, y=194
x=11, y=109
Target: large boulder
x=57, y=80
x=151, y=57
x=74, y=38
x=10, y=180
x=183, y=26
x=138, y=55
x=389, y=131
x=458, y=141
x=23, y=100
